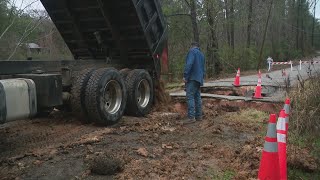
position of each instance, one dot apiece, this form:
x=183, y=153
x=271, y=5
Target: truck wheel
x=140, y=93
x=78, y=93
x=124, y=73
x=106, y=96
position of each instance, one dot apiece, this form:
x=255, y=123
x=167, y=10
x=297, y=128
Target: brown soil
x=162, y=98
x=155, y=147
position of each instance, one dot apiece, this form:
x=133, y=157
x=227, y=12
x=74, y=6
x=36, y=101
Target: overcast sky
x=38, y=5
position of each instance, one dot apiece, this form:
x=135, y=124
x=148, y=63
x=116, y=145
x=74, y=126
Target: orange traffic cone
x=282, y=144
x=287, y=111
x=269, y=164
x=257, y=93
x=237, y=79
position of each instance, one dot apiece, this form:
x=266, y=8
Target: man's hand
x=184, y=80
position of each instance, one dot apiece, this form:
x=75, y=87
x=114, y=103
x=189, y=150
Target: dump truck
x=118, y=48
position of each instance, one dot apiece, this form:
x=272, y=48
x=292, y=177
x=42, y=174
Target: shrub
x=305, y=117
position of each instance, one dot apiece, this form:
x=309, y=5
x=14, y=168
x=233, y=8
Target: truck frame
x=117, y=47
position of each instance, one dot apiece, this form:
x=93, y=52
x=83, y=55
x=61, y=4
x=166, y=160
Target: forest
x=231, y=33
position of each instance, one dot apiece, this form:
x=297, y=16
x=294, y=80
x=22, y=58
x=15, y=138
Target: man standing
x=193, y=76
x=269, y=63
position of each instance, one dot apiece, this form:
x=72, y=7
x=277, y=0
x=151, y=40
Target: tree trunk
x=249, y=24
x=298, y=25
x=227, y=21
x=313, y=23
x=302, y=35
x=214, y=66
x=193, y=10
x=264, y=36
x=292, y=11
x=232, y=25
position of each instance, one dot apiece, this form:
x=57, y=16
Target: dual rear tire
x=103, y=95
x=140, y=93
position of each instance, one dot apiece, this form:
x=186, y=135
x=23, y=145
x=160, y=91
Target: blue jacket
x=195, y=66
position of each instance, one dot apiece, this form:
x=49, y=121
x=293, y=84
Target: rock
x=158, y=151
x=166, y=146
x=193, y=146
x=90, y=148
x=37, y=162
x=20, y=164
x=207, y=147
x=170, y=129
x=143, y=152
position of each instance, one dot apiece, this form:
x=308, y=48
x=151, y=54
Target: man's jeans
x=193, y=99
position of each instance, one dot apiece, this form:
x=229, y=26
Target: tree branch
x=26, y=33
x=178, y=14
x=187, y=3
x=14, y=19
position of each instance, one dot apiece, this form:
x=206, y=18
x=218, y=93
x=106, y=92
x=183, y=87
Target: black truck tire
x=124, y=73
x=140, y=93
x=78, y=93
x=106, y=96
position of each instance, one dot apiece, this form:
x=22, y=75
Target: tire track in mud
x=43, y=136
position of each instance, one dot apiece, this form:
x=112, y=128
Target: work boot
x=199, y=119
x=188, y=121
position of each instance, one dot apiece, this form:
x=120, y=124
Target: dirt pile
x=246, y=159
x=162, y=98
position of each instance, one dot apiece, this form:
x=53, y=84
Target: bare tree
x=264, y=35
x=232, y=25
x=28, y=30
x=13, y=5
x=249, y=23
x=213, y=61
x=314, y=21
x=298, y=25
x=193, y=10
x=227, y=16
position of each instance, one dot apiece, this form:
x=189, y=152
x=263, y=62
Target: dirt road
x=157, y=146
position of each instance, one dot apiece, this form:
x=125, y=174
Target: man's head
x=195, y=44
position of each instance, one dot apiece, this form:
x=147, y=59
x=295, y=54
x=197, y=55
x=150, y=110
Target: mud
x=244, y=91
x=229, y=138
x=162, y=98
x=227, y=91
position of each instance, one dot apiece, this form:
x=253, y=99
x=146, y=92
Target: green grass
x=312, y=143
x=226, y=175
x=306, y=141
x=173, y=85
x=170, y=87
x=248, y=116
x=297, y=174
